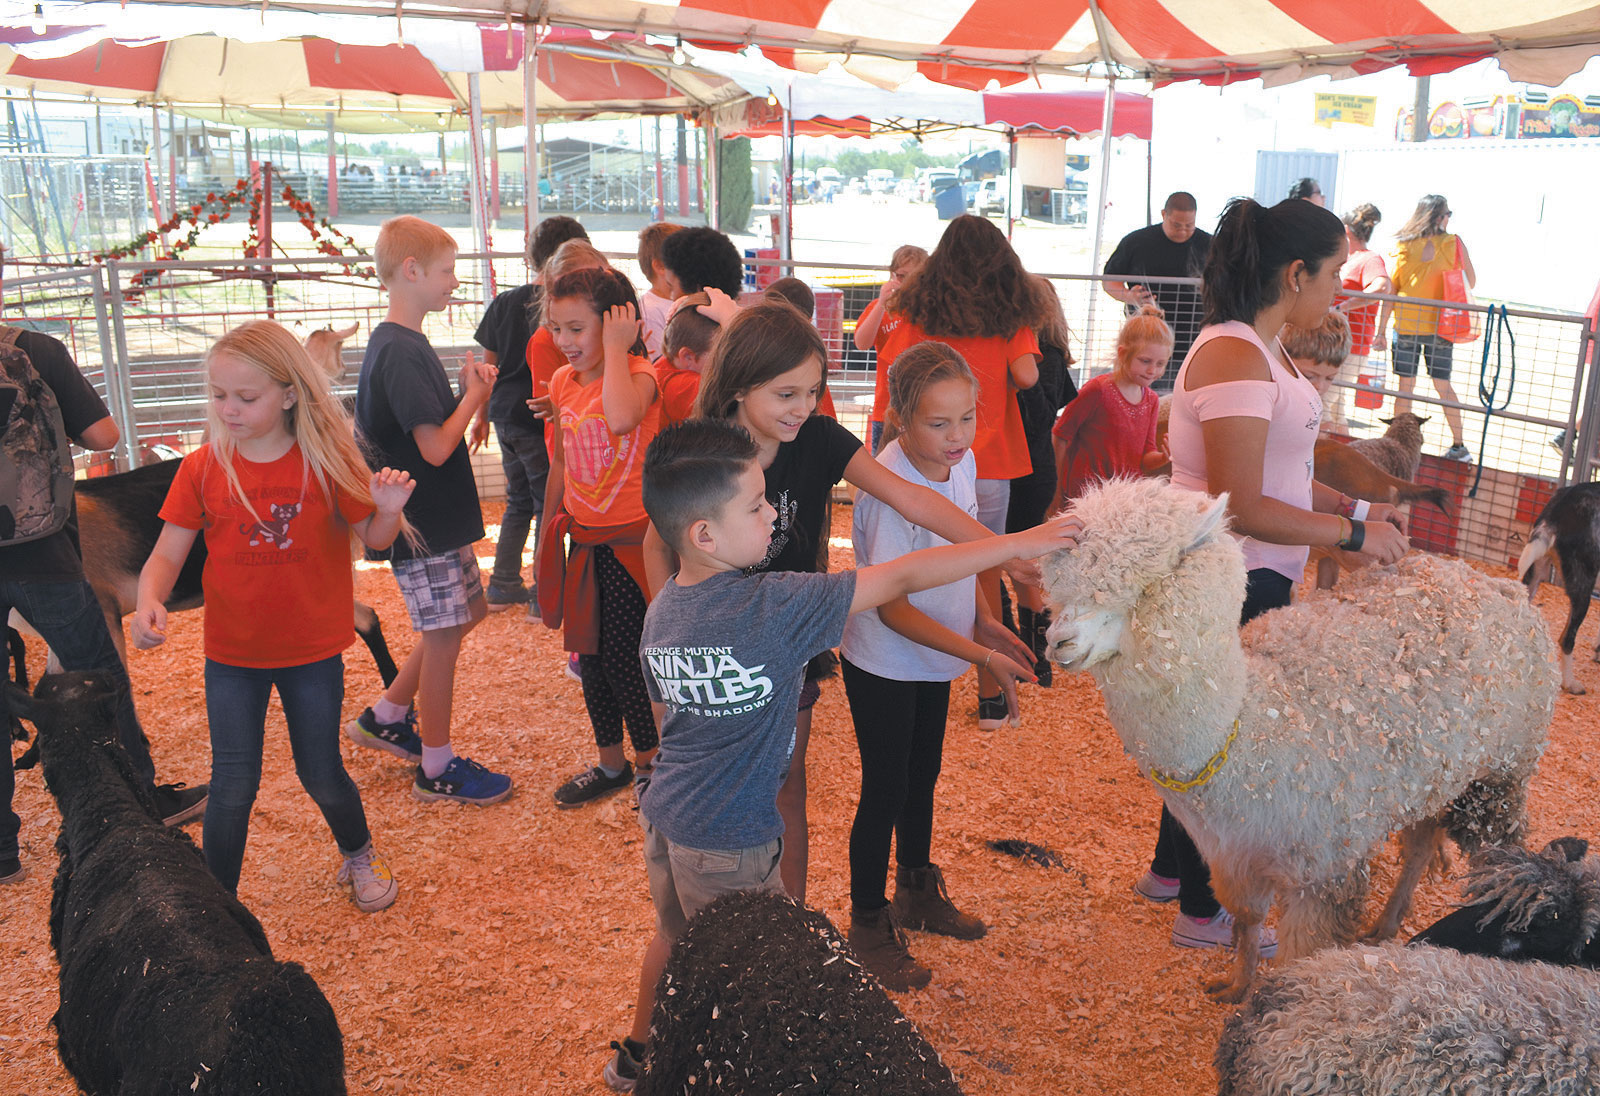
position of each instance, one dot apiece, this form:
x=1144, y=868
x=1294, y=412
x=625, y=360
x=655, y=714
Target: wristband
x=1357, y=537
x=1346, y=504
x=1359, y=509
x=986, y=659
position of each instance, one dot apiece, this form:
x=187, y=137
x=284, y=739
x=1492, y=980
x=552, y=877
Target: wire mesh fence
x=140, y=331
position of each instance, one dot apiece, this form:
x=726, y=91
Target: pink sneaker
x=1217, y=932
x=1156, y=888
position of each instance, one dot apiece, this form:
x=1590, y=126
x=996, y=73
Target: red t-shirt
x=1106, y=435
x=1364, y=270
x=678, y=389
x=880, y=386
x=603, y=474
x=543, y=361
x=1001, y=448
x=278, y=590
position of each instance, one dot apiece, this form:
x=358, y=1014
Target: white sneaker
x=371, y=883
x=1217, y=932
x=1155, y=888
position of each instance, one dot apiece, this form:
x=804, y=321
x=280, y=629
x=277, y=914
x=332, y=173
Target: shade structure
x=373, y=87
x=818, y=102
x=971, y=42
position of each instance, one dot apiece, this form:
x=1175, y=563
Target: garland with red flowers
x=220, y=206
x=330, y=240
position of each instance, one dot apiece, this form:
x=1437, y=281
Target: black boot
x=1034, y=626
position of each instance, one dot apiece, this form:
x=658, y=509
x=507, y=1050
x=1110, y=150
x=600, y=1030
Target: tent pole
x=530, y=140
x=475, y=181
x=1106, y=118
x=333, y=171
x=714, y=171
x=786, y=199
x=1011, y=176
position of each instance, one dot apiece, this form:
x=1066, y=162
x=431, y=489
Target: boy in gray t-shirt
x=723, y=655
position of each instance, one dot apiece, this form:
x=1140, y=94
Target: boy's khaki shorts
x=683, y=881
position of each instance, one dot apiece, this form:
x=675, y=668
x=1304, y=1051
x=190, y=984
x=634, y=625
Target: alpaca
x=1414, y=1021
x=1416, y=698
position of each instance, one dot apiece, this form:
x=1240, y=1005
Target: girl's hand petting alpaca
x=391, y=488
x=1383, y=544
x=621, y=329
x=1054, y=535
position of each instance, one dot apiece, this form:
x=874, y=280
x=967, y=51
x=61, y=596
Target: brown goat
x=1399, y=451
x=1346, y=468
x=326, y=346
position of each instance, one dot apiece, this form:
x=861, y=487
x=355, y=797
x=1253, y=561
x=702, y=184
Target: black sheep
x=168, y=984
x=762, y=995
x=1528, y=906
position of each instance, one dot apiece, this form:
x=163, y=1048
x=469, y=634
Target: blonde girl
x=898, y=662
x=1110, y=428
x=766, y=375
x=277, y=490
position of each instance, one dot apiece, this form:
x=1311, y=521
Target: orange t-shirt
x=543, y=359
x=1001, y=448
x=678, y=390
x=880, y=386
x=603, y=474
x=278, y=590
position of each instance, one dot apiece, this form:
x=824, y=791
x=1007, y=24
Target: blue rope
x=1497, y=326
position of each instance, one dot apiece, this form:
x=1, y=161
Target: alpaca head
x=1135, y=533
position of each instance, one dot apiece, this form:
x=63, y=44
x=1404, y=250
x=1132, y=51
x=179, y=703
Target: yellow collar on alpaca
x=1218, y=759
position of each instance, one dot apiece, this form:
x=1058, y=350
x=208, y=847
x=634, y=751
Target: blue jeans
x=527, y=467
x=236, y=706
x=71, y=621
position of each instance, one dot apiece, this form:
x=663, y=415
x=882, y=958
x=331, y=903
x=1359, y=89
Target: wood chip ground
x=509, y=961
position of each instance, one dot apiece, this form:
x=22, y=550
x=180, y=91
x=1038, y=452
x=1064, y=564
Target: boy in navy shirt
x=409, y=418
x=724, y=656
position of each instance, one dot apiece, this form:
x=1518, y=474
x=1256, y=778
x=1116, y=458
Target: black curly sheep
x=762, y=996
x=167, y=983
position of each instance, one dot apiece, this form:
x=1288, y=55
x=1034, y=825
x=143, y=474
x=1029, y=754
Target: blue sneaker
x=400, y=739
x=462, y=781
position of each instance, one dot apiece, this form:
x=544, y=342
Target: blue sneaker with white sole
x=400, y=739
x=462, y=781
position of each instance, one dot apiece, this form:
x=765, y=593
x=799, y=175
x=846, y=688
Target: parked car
x=969, y=190
x=991, y=197
x=933, y=181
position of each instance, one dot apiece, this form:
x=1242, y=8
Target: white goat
x=1416, y=698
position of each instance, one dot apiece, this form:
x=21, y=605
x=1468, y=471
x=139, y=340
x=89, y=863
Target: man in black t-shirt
x=43, y=581
x=1172, y=249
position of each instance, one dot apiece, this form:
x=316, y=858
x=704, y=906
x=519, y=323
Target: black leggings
x=1176, y=855
x=613, y=680
x=900, y=732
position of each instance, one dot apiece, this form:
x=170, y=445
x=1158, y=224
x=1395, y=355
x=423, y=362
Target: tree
x=737, y=192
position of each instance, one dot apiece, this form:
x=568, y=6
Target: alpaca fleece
x=1415, y=698
x=168, y=985
x=763, y=996
x=1414, y=1021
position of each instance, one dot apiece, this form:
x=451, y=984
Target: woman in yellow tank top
x=1424, y=250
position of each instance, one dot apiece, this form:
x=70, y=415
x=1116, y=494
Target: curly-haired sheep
x=167, y=982
x=763, y=995
x=1527, y=905
x=1415, y=699
x=1414, y=1021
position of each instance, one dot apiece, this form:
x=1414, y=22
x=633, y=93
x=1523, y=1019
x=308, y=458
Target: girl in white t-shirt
x=899, y=661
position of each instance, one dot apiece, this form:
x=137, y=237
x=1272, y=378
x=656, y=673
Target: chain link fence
x=140, y=331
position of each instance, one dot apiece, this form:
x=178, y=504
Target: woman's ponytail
x=1252, y=246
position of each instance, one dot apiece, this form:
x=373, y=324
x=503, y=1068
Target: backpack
x=35, y=460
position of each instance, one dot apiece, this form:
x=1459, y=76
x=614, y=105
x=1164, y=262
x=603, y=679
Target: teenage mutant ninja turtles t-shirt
x=277, y=583
x=726, y=657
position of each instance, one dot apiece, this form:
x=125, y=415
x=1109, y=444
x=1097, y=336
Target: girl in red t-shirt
x=1110, y=428
x=277, y=490
x=604, y=406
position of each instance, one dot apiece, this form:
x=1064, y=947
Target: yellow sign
x=1357, y=110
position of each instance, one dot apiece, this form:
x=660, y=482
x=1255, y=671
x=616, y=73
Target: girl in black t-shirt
x=766, y=374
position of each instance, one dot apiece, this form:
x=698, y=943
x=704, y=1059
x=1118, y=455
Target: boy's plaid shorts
x=439, y=590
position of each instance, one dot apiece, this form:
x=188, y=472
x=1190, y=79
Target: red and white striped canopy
x=970, y=42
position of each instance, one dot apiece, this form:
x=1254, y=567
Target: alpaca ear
x=1211, y=523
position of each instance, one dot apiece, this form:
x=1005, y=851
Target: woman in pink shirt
x=1244, y=421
